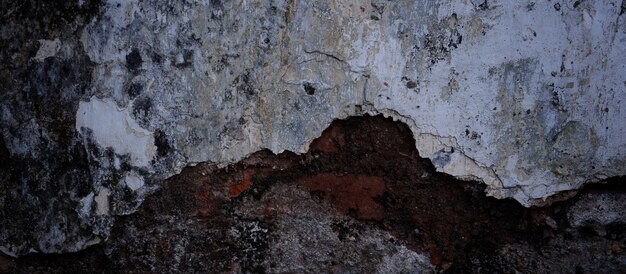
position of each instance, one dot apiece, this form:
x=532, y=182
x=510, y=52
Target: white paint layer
x=113, y=127
x=48, y=48
x=526, y=98
x=102, y=202
x=134, y=181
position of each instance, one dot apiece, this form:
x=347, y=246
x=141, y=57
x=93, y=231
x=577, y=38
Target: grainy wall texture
x=101, y=101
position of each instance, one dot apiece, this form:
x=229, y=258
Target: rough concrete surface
x=102, y=101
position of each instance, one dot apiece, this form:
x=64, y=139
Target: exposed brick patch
x=352, y=194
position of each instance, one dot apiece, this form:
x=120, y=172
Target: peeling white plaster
x=112, y=126
x=47, y=48
x=102, y=202
x=133, y=181
x=503, y=105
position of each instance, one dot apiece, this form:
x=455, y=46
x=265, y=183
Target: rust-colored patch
x=206, y=208
x=351, y=194
x=332, y=138
x=245, y=183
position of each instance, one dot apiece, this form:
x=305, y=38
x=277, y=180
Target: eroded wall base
x=360, y=200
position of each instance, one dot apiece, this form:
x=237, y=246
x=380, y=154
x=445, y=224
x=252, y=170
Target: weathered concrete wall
x=527, y=97
x=524, y=96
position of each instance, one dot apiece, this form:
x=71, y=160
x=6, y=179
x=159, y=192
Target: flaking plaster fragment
x=102, y=202
x=47, y=48
x=112, y=126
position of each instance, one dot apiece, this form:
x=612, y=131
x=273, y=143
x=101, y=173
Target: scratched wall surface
x=102, y=100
